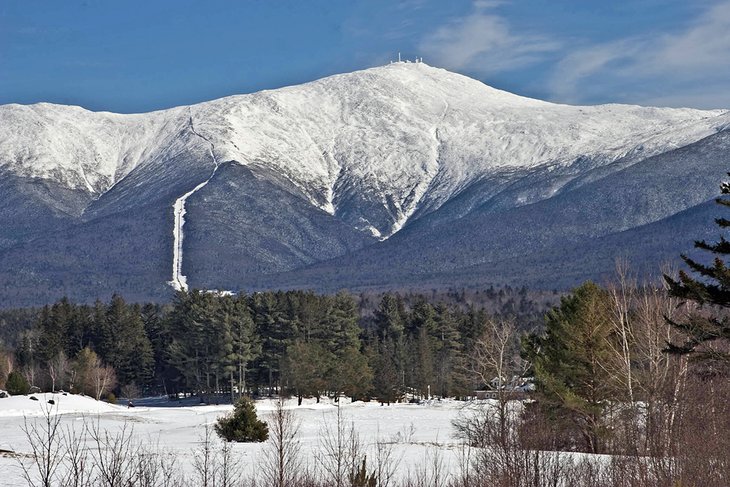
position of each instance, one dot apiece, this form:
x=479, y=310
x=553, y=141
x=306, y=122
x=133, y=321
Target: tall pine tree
x=710, y=287
x=125, y=345
x=571, y=363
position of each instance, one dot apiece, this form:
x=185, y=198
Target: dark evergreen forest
x=379, y=346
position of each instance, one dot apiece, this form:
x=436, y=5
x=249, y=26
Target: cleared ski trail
x=179, y=280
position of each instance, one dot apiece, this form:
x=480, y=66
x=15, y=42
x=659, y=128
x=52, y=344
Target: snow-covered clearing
x=417, y=432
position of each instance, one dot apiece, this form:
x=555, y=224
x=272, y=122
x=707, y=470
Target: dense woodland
x=380, y=346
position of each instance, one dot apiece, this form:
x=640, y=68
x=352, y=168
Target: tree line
x=293, y=342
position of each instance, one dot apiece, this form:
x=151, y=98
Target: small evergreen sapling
x=16, y=384
x=242, y=425
x=361, y=478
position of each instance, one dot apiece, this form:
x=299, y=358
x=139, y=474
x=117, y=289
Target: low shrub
x=242, y=425
x=16, y=384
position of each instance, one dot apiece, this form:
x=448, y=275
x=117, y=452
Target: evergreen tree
x=187, y=322
x=304, y=369
x=390, y=317
x=710, y=287
x=245, y=344
x=53, y=329
x=340, y=324
x=276, y=323
x=387, y=381
x=158, y=333
x=108, y=328
x=424, y=359
x=390, y=325
x=421, y=317
x=124, y=343
x=4, y=367
x=80, y=330
x=572, y=362
x=312, y=312
x=25, y=354
x=349, y=372
x=242, y=425
x=447, y=351
x=218, y=343
x=471, y=326
x=16, y=384
x=98, y=325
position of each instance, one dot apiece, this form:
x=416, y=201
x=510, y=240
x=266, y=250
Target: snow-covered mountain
x=240, y=190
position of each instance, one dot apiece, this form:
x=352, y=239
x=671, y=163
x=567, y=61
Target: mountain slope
x=535, y=244
x=379, y=177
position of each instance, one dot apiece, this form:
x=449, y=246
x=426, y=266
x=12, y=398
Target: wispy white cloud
x=483, y=42
x=578, y=67
x=685, y=68
x=703, y=46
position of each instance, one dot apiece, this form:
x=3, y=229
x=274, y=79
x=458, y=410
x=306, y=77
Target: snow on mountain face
x=296, y=186
x=78, y=148
x=370, y=147
x=395, y=130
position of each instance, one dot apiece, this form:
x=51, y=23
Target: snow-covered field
x=417, y=432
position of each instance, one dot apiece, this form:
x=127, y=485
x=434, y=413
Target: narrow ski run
x=179, y=280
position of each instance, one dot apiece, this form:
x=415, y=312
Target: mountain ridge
x=337, y=165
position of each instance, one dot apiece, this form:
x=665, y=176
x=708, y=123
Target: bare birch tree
x=58, y=369
x=495, y=361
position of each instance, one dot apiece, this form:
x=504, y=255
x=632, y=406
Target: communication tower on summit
x=416, y=60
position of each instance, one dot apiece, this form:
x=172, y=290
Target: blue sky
x=132, y=56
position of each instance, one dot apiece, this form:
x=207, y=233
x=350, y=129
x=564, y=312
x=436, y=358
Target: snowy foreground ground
x=418, y=432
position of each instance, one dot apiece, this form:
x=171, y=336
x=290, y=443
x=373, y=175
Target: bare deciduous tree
x=340, y=453
x=6, y=366
x=45, y=438
x=492, y=424
x=170, y=470
x=282, y=455
x=649, y=381
x=58, y=368
x=104, y=380
x=77, y=462
x=386, y=462
x=431, y=472
x=214, y=466
x=229, y=471
x=114, y=455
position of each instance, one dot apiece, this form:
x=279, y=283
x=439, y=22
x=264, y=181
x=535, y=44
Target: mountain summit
x=401, y=175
